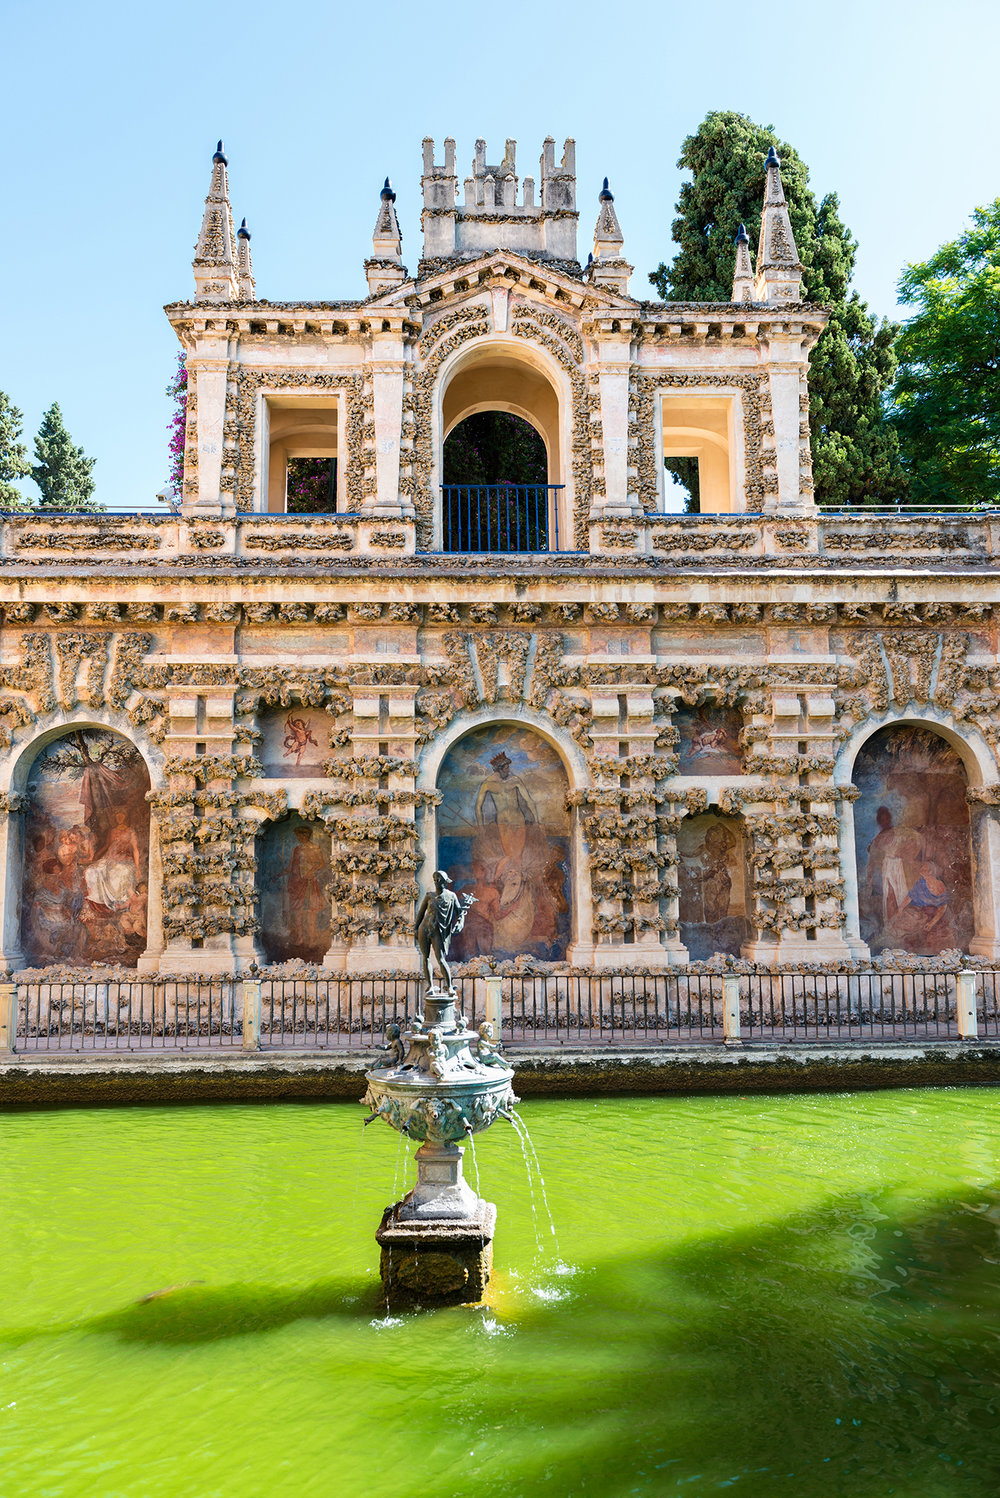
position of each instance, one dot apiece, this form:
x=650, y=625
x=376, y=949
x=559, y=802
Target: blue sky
x=112, y=112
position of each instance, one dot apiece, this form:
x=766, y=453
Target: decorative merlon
x=216, y=278
x=386, y=269
x=743, y=277
x=608, y=267
x=779, y=269
x=497, y=210
x=247, y=286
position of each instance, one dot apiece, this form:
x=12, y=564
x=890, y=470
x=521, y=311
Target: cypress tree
x=855, y=452
x=61, y=471
x=14, y=463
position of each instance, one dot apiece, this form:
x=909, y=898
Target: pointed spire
x=248, y=291
x=385, y=268
x=608, y=267
x=779, y=269
x=215, y=272
x=743, y=285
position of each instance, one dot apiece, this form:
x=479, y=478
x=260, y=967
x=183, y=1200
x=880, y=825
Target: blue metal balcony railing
x=500, y=518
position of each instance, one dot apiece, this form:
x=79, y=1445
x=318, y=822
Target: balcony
x=500, y=518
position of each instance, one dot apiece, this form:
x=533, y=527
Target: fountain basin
x=444, y=1111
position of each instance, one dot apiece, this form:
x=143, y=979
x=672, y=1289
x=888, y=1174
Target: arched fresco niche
x=712, y=877
x=709, y=740
x=85, y=881
x=294, y=743
x=911, y=828
x=293, y=890
x=504, y=836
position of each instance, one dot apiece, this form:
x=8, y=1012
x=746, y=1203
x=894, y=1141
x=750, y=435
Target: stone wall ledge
x=801, y=539
x=31, y=1081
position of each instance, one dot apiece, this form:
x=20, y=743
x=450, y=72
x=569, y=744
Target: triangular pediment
x=533, y=279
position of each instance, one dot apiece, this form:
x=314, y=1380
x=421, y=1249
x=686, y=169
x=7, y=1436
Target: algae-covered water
x=779, y=1296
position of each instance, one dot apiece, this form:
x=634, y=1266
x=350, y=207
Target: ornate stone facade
x=727, y=667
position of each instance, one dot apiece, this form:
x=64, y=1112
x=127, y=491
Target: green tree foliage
x=854, y=448
x=947, y=393
x=14, y=463
x=61, y=471
x=494, y=447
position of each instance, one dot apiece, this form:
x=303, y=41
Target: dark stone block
x=437, y=1261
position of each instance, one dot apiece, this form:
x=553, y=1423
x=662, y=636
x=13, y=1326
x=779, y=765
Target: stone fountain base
x=436, y=1261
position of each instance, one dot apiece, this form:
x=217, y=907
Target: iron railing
x=500, y=518
x=675, y=1007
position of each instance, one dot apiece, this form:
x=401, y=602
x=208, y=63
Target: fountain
x=441, y=1084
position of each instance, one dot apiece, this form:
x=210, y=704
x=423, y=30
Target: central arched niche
x=85, y=881
x=504, y=837
x=495, y=379
x=913, y=845
x=293, y=890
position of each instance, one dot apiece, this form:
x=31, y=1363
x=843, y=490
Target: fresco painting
x=504, y=837
x=712, y=882
x=912, y=834
x=293, y=743
x=293, y=881
x=86, y=852
x=709, y=740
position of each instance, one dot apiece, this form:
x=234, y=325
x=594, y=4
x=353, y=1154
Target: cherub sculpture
x=394, y=1046
x=488, y=1051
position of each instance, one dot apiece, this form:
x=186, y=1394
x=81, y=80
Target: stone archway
x=85, y=866
x=503, y=835
x=913, y=843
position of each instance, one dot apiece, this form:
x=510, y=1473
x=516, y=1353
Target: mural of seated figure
x=503, y=836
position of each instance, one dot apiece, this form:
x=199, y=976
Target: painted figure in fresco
x=889, y=852
x=85, y=892
x=511, y=799
x=113, y=878
x=298, y=737
x=441, y=916
x=706, y=880
x=929, y=896
x=307, y=876
x=503, y=835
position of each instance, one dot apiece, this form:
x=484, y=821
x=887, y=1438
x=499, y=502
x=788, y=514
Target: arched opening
x=85, y=879
x=712, y=878
x=293, y=890
x=504, y=836
x=501, y=459
x=913, y=843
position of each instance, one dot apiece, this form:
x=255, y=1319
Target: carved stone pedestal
x=436, y=1261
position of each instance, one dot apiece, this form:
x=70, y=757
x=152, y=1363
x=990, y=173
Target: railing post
x=8, y=1017
x=731, y=1011
x=251, y=1014
x=965, y=1004
x=494, y=998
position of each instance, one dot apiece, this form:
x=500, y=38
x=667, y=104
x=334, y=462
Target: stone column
x=12, y=863
x=210, y=367
x=986, y=880
x=786, y=359
x=388, y=370
x=613, y=351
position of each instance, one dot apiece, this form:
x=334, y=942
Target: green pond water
x=777, y=1296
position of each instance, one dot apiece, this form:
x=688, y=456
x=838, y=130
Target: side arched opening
x=913, y=843
x=85, y=852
